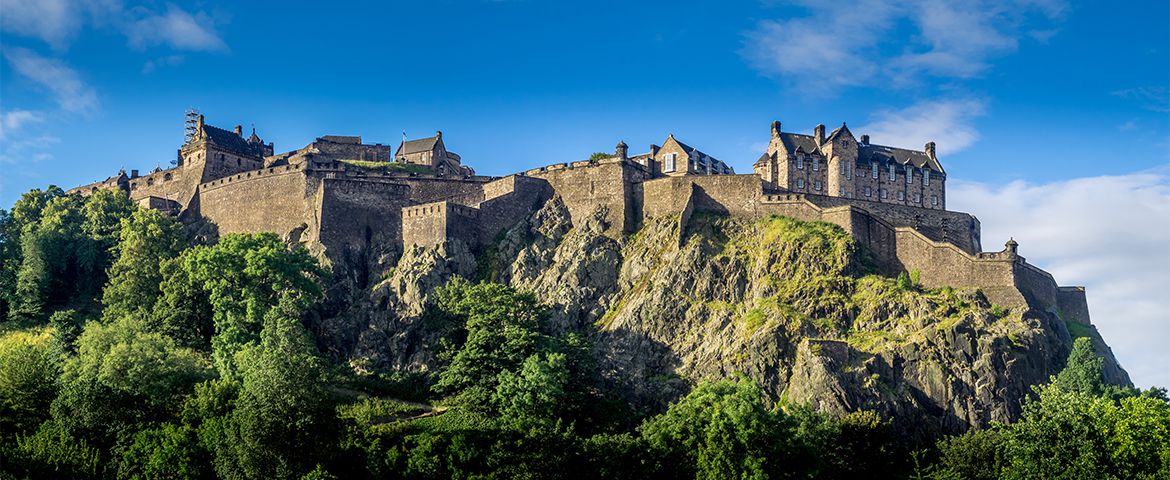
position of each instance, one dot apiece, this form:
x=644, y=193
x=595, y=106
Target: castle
x=360, y=204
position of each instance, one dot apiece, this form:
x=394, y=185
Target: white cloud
x=946, y=122
x=881, y=41
x=1107, y=233
x=58, y=22
x=26, y=150
x=175, y=28
x=55, y=22
x=14, y=120
x=70, y=92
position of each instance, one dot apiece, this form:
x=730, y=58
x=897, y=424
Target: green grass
x=389, y=166
x=374, y=411
x=1078, y=330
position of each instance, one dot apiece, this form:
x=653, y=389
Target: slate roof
x=839, y=131
x=901, y=156
x=795, y=142
x=694, y=152
x=228, y=140
x=416, y=146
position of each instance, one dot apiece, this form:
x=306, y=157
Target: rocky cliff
x=791, y=304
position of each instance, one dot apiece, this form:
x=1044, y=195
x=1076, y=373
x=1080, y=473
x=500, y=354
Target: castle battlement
x=347, y=199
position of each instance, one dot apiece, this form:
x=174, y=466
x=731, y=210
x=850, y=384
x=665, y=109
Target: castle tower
x=840, y=149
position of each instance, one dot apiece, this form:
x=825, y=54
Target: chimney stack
x=819, y=133
x=930, y=150
x=776, y=129
x=653, y=150
x=438, y=134
x=623, y=150
x=865, y=139
x=134, y=174
x=199, y=124
x=240, y=131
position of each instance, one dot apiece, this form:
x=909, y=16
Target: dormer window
x=668, y=162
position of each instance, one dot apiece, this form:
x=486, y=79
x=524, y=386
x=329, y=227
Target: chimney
x=865, y=139
x=930, y=150
x=134, y=174
x=653, y=150
x=199, y=124
x=240, y=131
x=819, y=133
x=776, y=129
x=438, y=134
x=622, y=150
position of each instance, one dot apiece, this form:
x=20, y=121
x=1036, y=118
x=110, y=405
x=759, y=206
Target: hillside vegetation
x=755, y=349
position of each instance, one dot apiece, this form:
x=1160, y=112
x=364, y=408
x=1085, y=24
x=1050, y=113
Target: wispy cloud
x=948, y=123
x=55, y=22
x=1106, y=233
x=14, y=120
x=177, y=29
x=1151, y=98
x=58, y=23
x=71, y=93
x=870, y=44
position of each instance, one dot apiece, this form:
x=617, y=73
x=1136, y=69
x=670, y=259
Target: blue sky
x=1029, y=100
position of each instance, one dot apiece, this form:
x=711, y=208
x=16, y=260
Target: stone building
x=675, y=158
x=431, y=152
x=840, y=165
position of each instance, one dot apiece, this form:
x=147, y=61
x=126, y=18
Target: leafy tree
x=281, y=421
x=720, y=430
x=123, y=378
x=599, y=155
x=167, y=452
x=26, y=211
x=241, y=278
x=502, y=331
x=535, y=394
x=28, y=374
x=51, y=452
x=66, y=328
x=146, y=240
x=974, y=455
x=1082, y=373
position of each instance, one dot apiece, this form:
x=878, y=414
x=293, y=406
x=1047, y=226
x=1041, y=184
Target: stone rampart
x=277, y=199
x=587, y=185
x=1073, y=306
x=508, y=201
x=433, y=223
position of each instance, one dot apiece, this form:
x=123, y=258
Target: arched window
x=167, y=177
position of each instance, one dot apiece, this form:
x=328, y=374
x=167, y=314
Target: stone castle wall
x=1073, y=306
x=276, y=199
x=431, y=223
x=586, y=185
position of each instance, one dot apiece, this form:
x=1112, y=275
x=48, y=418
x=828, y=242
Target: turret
x=622, y=151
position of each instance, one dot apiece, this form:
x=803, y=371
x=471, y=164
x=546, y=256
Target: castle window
x=901, y=196
x=868, y=192
x=873, y=167
x=149, y=182
x=817, y=184
x=816, y=164
x=926, y=177
x=917, y=198
x=800, y=162
x=891, y=171
x=885, y=193
x=909, y=174
x=843, y=168
x=800, y=184
x=668, y=162
x=167, y=177
x=934, y=199
x=842, y=192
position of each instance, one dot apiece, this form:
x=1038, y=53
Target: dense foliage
x=127, y=353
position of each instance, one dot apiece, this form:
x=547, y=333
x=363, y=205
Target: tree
x=123, y=379
x=167, y=452
x=147, y=239
x=28, y=375
x=720, y=430
x=502, y=331
x=26, y=211
x=236, y=281
x=1082, y=372
x=281, y=423
x=535, y=395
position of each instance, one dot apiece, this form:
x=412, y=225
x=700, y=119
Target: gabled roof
x=901, y=156
x=416, y=146
x=694, y=152
x=839, y=132
x=228, y=140
x=795, y=142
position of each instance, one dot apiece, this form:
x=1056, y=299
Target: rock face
x=790, y=304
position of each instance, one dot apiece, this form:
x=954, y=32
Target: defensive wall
x=275, y=199
x=584, y=186
x=1005, y=277
x=430, y=223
